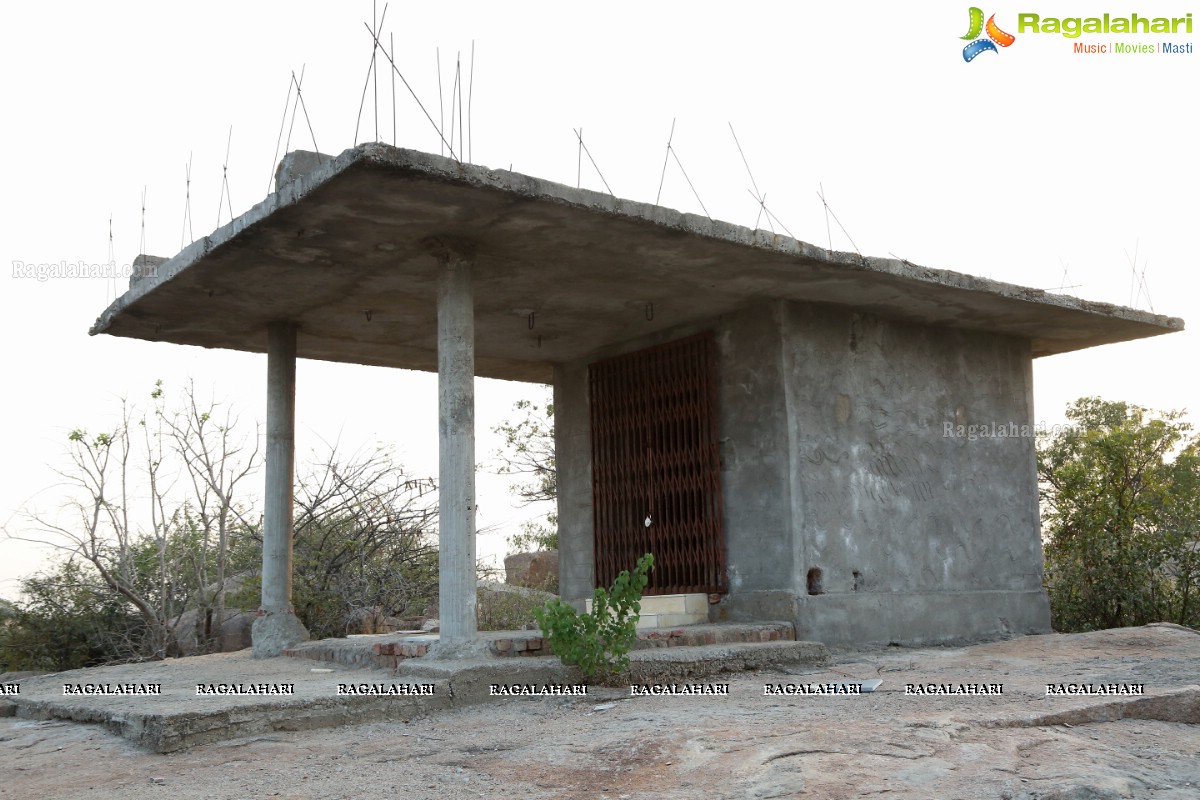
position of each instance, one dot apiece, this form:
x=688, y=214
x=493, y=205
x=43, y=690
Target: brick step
x=382, y=651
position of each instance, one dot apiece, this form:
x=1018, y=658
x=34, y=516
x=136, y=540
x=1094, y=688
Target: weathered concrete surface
x=178, y=718
x=1180, y=705
x=296, y=165
x=919, y=536
x=278, y=627
x=470, y=679
x=271, y=634
x=349, y=237
x=668, y=664
x=573, y=465
x=745, y=745
x=144, y=267
x=456, y=446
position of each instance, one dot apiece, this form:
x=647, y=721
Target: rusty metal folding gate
x=656, y=472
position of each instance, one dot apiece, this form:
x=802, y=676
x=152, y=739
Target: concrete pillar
x=277, y=626
x=456, y=458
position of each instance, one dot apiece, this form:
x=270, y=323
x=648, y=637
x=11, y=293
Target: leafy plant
x=536, y=535
x=598, y=642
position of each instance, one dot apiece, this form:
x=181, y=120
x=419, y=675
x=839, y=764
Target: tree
x=210, y=453
x=364, y=542
x=1121, y=513
x=529, y=451
x=65, y=620
x=155, y=524
x=153, y=514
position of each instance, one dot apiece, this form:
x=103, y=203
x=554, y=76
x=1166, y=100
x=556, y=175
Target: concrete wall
x=942, y=530
x=835, y=458
x=755, y=462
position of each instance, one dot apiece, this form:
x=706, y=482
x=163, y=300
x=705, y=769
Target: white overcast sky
x=1013, y=166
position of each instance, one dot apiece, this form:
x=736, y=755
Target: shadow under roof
x=345, y=252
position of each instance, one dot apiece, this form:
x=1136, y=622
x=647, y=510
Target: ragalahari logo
x=995, y=36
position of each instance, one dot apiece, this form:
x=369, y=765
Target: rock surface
x=1015, y=746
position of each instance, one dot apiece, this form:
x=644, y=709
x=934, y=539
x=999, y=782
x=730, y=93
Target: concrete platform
x=177, y=718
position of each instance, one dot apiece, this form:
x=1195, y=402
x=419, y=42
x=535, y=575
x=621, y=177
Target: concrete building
x=839, y=441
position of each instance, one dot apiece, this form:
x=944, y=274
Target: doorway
x=656, y=468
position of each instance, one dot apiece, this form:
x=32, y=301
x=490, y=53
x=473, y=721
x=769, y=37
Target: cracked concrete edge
x=447, y=169
x=470, y=680
x=669, y=664
x=458, y=684
x=1177, y=705
x=167, y=733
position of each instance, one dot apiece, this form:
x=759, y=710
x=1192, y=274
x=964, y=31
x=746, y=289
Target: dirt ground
x=746, y=745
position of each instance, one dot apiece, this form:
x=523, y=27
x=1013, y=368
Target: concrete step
x=715, y=633
x=176, y=718
x=669, y=610
x=664, y=665
x=367, y=651
x=470, y=679
x=389, y=650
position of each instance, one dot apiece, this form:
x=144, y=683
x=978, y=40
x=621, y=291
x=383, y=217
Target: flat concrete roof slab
x=347, y=251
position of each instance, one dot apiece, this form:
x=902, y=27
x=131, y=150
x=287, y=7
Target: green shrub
x=598, y=642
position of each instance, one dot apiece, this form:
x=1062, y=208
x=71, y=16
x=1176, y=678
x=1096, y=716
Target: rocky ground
x=746, y=745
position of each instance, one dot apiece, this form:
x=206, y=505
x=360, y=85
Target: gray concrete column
x=456, y=459
x=277, y=626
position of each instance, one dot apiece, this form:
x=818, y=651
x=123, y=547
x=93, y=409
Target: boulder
x=364, y=620
x=537, y=570
x=234, y=631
